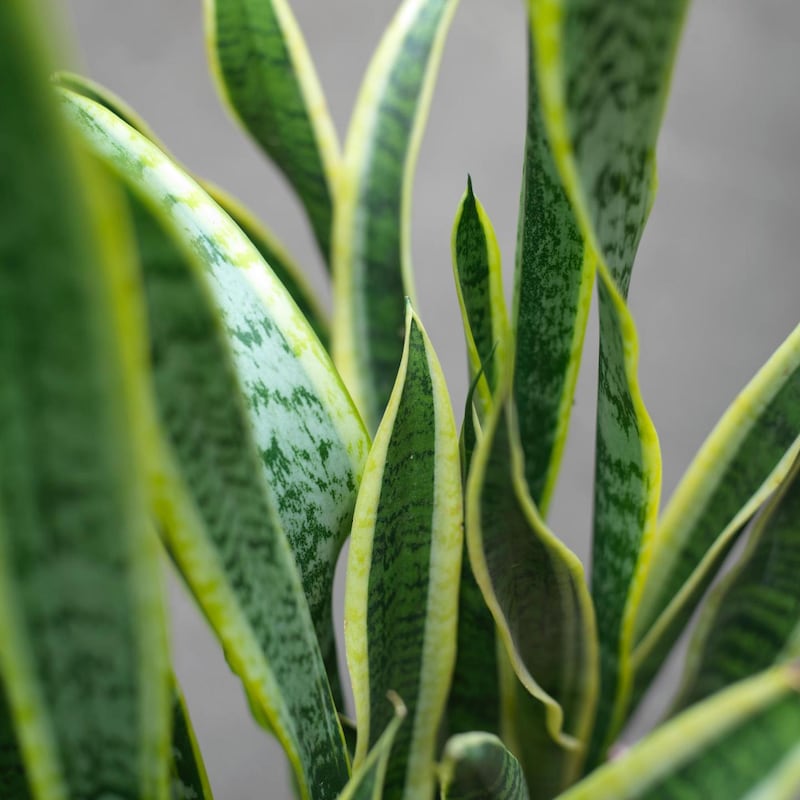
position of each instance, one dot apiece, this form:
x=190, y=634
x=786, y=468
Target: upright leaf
x=603, y=71
x=309, y=436
x=265, y=74
x=83, y=655
x=372, y=238
x=189, y=779
x=738, y=467
x=740, y=744
x=13, y=780
x=403, y=569
x=478, y=765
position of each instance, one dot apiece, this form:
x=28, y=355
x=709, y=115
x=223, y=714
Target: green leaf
x=265, y=74
x=189, y=779
x=311, y=441
x=741, y=744
x=603, y=72
x=479, y=284
x=533, y=585
x=372, y=238
x=739, y=466
x=403, y=568
x=477, y=765
x=13, y=781
x=753, y=615
x=83, y=654
x=552, y=294
x=367, y=781
x=273, y=252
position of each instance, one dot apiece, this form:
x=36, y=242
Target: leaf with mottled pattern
x=372, y=271
x=189, y=779
x=265, y=74
x=403, y=568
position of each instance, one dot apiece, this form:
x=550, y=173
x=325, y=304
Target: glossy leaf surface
x=372, y=237
x=403, y=568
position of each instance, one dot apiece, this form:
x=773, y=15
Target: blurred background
x=716, y=286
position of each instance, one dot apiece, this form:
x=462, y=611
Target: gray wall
x=716, y=286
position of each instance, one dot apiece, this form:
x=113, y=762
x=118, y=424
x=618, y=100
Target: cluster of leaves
x=165, y=380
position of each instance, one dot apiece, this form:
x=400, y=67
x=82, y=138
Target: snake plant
x=171, y=391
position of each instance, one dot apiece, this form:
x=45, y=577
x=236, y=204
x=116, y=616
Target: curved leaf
x=479, y=285
x=372, y=256
x=189, y=779
x=83, y=654
x=740, y=744
x=533, y=585
x=744, y=459
x=264, y=72
x=478, y=765
x=603, y=71
x=401, y=596
x=273, y=252
x=754, y=613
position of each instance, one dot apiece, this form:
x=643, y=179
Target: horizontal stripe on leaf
x=533, y=585
x=310, y=438
x=189, y=779
x=372, y=238
x=403, y=569
x=740, y=744
x=754, y=614
x=83, y=653
x=744, y=459
x=477, y=765
x=272, y=251
x=265, y=74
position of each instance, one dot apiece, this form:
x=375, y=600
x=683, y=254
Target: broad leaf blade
x=533, y=585
x=265, y=74
x=603, y=71
x=478, y=765
x=189, y=779
x=372, y=241
x=738, y=467
x=740, y=744
x=552, y=295
x=403, y=569
x=83, y=654
x=753, y=615
x=272, y=251
x=309, y=436
x=479, y=285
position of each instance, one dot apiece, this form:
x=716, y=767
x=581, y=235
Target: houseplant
x=203, y=404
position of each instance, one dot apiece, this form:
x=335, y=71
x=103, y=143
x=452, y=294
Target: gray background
x=716, y=287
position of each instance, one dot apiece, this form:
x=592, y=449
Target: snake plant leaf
x=265, y=74
x=752, y=616
x=740, y=744
x=13, y=780
x=372, y=271
x=403, y=569
x=83, y=655
x=273, y=252
x=189, y=779
x=367, y=781
x=533, y=585
x=477, y=765
x=310, y=438
x=603, y=71
x=479, y=285
x=744, y=459
x=554, y=276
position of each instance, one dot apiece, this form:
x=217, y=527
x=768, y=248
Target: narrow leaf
x=533, y=585
x=403, y=570
x=265, y=74
x=273, y=252
x=740, y=744
x=477, y=765
x=189, y=779
x=13, y=781
x=752, y=616
x=83, y=653
x=603, y=71
x=479, y=284
x=372, y=237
